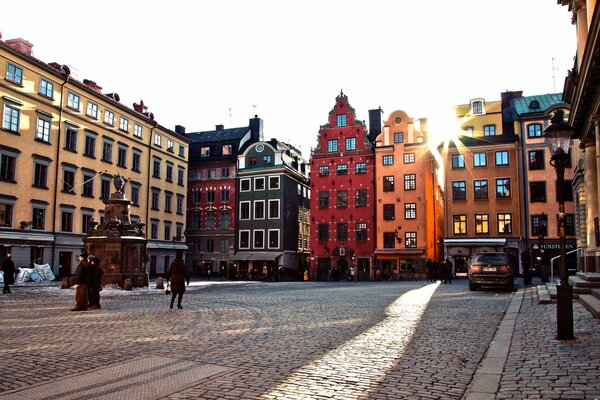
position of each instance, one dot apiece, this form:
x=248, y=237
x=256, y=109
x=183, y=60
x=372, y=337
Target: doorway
x=64, y=264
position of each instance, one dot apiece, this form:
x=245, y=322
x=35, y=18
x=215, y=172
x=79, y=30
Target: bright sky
x=202, y=63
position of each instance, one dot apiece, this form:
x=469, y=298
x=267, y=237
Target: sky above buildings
x=204, y=63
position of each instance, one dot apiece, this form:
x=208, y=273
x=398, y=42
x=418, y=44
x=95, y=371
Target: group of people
x=437, y=270
x=88, y=278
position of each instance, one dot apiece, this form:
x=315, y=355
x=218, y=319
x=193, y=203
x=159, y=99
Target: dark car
x=490, y=269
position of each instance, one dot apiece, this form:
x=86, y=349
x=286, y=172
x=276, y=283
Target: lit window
x=410, y=239
x=504, y=223
x=459, y=224
x=482, y=223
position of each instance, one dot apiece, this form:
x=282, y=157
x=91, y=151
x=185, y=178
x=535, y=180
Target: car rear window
x=492, y=258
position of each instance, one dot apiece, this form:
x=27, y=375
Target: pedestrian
x=411, y=272
x=8, y=268
x=545, y=265
x=435, y=271
x=526, y=261
x=95, y=286
x=429, y=270
x=352, y=273
x=448, y=271
x=178, y=276
x=82, y=279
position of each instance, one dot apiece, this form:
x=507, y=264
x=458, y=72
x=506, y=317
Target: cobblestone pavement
x=249, y=340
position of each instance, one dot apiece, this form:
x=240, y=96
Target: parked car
x=490, y=269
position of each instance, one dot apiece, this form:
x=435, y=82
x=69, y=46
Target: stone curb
x=486, y=381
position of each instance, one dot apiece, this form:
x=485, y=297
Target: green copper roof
x=536, y=104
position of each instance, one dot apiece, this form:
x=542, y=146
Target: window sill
x=89, y=156
x=70, y=150
x=8, y=181
x=40, y=187
x=11, y=131
x=107, y=161
x=42, y=141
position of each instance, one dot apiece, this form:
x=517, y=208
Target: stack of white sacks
x=39, y=273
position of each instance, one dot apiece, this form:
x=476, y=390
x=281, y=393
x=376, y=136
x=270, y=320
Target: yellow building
x=61, y=142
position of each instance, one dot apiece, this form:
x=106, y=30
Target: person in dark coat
x=526, y=261
x=8, y=268
x=429, y=270
x=447, y=271
x=545, y=265
x=95, y=286
x=436, y=271
x=82, y=279
x=178, y=276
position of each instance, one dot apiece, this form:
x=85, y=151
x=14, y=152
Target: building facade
x=62, y=141
x=212, y=195
x=409, y=207
x=272, y=231
x=343, y=197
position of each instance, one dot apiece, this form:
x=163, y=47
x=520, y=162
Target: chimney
x=141, y=108
x=92, y=85
x=21, y=45
x=256, y=129
x=179, y=129
x=219, y=127
x=374, y=123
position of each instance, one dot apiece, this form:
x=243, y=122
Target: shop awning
x=240, y=256
x=400, y=252
x=475, y=242
x=27, y=237
x=166, y=246
x=268, y=256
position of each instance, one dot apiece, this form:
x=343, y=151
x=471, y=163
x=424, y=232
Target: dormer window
x=341, y=120
x=477, y=107
x=534, y=105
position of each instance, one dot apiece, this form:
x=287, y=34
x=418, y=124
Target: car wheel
x=472, y=286
x=510, y=287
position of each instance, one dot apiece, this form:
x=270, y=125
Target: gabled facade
x=482, y=183
x=212, y=195
x=61, y=142
x=343, y=197
x=409, y=198
x=272, y=233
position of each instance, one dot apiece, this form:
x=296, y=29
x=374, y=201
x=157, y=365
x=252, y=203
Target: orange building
x=409, y=198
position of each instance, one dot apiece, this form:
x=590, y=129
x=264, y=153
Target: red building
x=342, y=197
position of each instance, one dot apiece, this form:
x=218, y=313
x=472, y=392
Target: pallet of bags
x=24, y=275
x=2, y=278
x=45, y=271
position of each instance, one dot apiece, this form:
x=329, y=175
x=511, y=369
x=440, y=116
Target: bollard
x=160, y=283
x=127, y=284
x=65, y=284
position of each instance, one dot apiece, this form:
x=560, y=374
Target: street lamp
x=557, y=136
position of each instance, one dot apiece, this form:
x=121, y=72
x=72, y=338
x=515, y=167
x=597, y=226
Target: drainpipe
x=525, y=187
x=148, y=191
x=65, y=71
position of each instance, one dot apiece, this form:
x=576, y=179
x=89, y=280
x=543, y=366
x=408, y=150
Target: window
x=259, y=183
x=179, y=232
x=167, y=235
x=360, y=198
x=68, y=181
x=251, y=161
x=169, y=172
x=11, y=118
x=410, y=239
x=210, y=195
x=342, y=169
x=8, y=165
x=502, y=158
x=170, y=146
x=459, y=190
x=410, y=182
x=136, y=161
x=259, y=239
x=92, y=110
x=245, y=210
x=154, y=230
x=341, y=199
x=40, y=174
x=155, y=200
x=46, y=88
x=536, y=160
x=389, y=239
x=273, y=238
x=90, y=146
x=350, y=144
x=341, y=231
x=504, y=223
x=179, y=205
x=477, y=107
x=181, y=151
x=409, y=158
x=226, y=149
x=537, y=191
x=469, y=130
x=107, y=151
x=6, y=214
x=122, y=156
x=410, y=210
x=389, y=212
x=259, y=209
x=196, y=196
x=479, y=159
x=332, y=146
x=341, y=120
x=273, y=209
x=109, y=117
x=323, y=232
x=534, y=130
x=43, y=129
x=124, y=124
x=570, y=224
x=324, y=170
x=86, y=222
x=245, y=185
x=399, y=137
x=156, y=168
x=66, y=221
x=158, y=140
x=273, y=182
x=224, y=195
x=71, y=139
x=168, y=202
x=323, y=199
x=388, y=183
x=459, y=224
x=480, y=189
x=224, y=172
x=73, y=101
x=458, y=161
x=360, y=168
x=14, y=74
x=482, y=223
x=489, y=130
x=135, y=195
x=39, y=218
x=105, y=188
x=210, y=218
x=225, y=219
x=137, y=130
x=502, y=188
x=388, y=160
x=244, y=239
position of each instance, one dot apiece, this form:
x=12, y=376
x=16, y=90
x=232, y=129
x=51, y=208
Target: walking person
x=526, y=261
x=8, y=268
x=429, y=270
x=448, y=271
x=178, y=276
x=82, y=279
x=96, y=273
